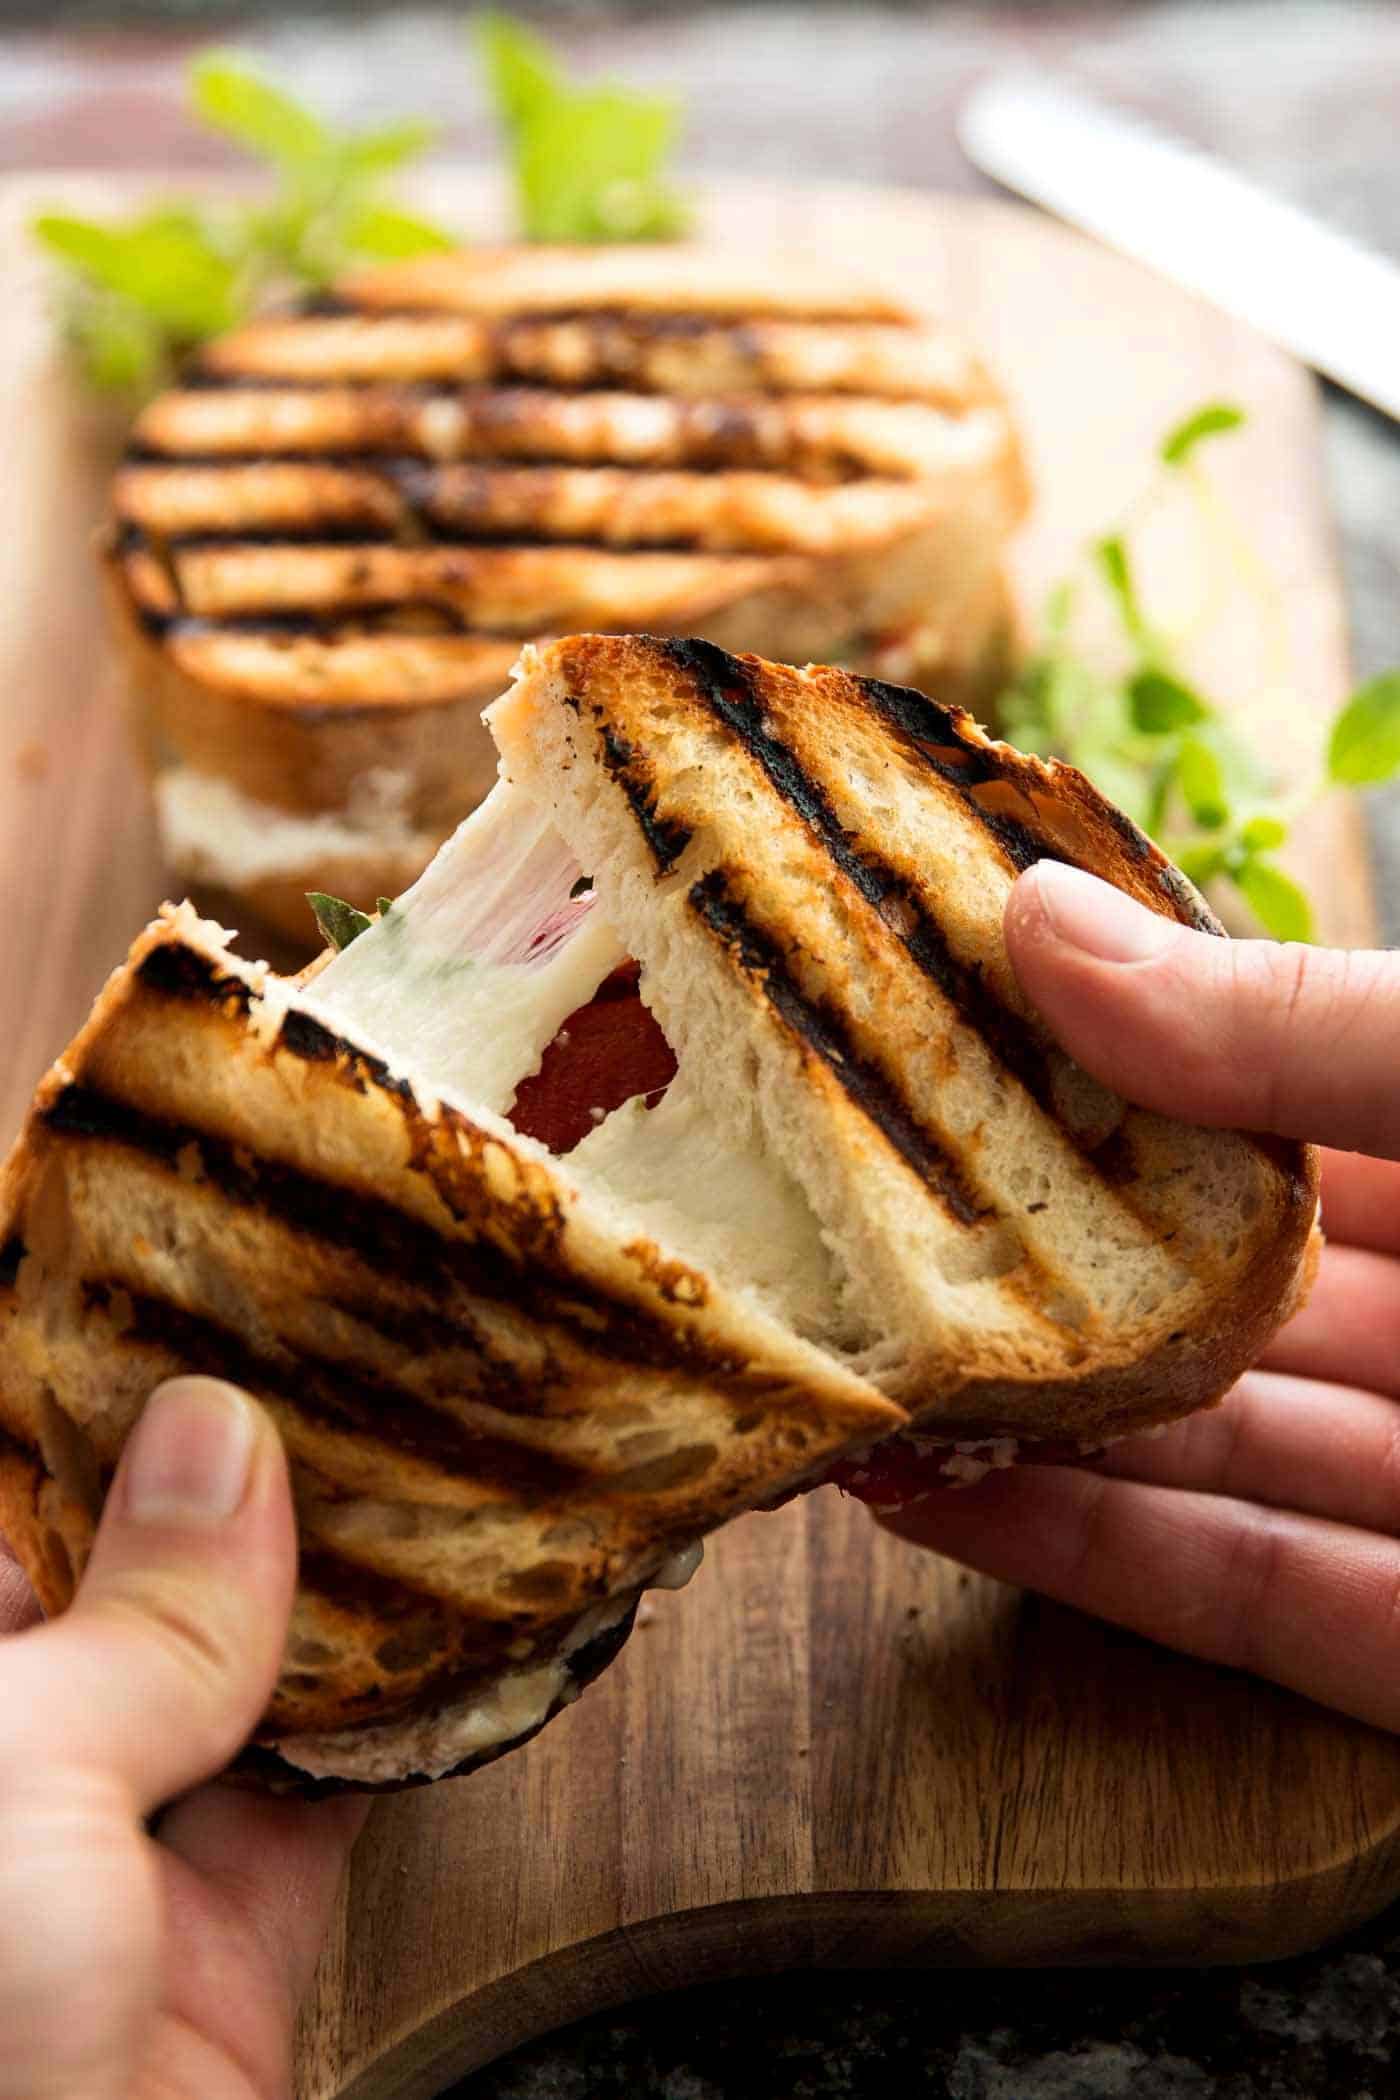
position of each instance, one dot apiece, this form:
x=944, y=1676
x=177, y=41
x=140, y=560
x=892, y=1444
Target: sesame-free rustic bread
x=812, y=868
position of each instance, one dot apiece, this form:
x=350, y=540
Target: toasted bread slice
x=505, y=1406
x=812, y=869
x=325, y=546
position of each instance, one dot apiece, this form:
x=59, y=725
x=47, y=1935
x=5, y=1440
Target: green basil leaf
x=587, y=161
x=1276, y=901
x=1262, y=834
x=230, y=97
x=520, y=71
x=165, y=262
x=587, y=169
x=1159, y=703
x=1116, y=570
x=1365, y=745
x=385, y=232
x=341, y=923
x=1202, y=783
x=372, y=153
x=383, y=905
x=1211, y=421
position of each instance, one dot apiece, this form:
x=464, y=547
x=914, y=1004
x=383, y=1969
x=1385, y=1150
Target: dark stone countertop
x=1305, y=93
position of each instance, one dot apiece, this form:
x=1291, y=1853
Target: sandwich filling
x=500, y=969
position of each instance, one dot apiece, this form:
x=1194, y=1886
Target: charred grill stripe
x=350, y=1401
x=177, y=972
x=727, y=686
x=11, y=1255
x=666, y=838
x=933, y=734
x=395, y=1245
x=824, y=1034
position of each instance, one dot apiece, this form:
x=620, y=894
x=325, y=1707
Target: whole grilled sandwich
x=327, y=545
x=681, y=1134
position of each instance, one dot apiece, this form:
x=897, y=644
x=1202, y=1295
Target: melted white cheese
x=738, y=1214
x=473, y=970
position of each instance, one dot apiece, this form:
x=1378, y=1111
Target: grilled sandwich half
x=855, y=1191
x=327, y=545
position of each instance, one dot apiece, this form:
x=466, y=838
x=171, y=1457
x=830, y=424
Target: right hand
x=1264, y=1533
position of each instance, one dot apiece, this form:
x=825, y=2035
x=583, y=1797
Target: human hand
x=134, y=1965
x=1262, y=1533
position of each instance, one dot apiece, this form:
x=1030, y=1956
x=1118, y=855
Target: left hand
x=159, y=1967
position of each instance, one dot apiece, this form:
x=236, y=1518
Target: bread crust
x=815, y=866
x=498, y=1413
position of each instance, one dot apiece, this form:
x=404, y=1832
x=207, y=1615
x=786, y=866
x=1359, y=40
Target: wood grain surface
x=829, y=1750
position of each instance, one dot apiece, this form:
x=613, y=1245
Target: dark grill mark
x=314, y=1043
x=11, y=1255
x=727, y=685
x=396, y=1246
x=339, y=1398
x=666, y=838
x=178, y=972
x=823, y=1033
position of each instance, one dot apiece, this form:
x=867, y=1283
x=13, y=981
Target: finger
x=1361, y=1201
x=1322, y=1450
x=276, y=1866
x=1249, y=1034
x=1349, y=1327
x=19, y=1607
x=249, y=1890
x=159, y=1670
x=1310, y=1604
x=80, y=1940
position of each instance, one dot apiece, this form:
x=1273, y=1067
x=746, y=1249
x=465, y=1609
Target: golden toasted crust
x=346, y=518
x=815, y=866
x=498, y=1411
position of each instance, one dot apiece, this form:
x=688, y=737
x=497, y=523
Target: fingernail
x=1092, y=915
x=191, y=1454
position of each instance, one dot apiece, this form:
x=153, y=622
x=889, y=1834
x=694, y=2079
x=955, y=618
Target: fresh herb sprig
x=1146, y=734
x=139, y=294
x=342, y=923
x=587, y=160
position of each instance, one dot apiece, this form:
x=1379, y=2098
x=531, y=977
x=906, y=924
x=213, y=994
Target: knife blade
x=1324, y=296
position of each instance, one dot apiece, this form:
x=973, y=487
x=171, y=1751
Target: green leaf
x=520, y=71
x=1116, y=570
x=1202, y=783
x=166, y=262
x=1276, y=901
x=1262, y=834
x=1211, y=421
x=386, y=151
x=341, y=923
x=385, y=232
x=587, y=161
x=230, y=97
x=1365, y=744
x=383, y=905
x=1160, y=703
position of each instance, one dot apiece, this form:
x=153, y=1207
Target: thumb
x=157, y=1673
x=1249, y=1034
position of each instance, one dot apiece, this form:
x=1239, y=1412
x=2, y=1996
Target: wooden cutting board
x=830, y=1750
